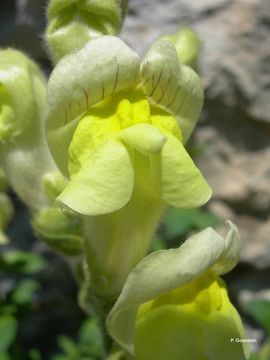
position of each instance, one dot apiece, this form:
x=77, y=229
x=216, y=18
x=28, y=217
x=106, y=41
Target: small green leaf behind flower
x=21, y=261
x=8, y=331
x=89, y=345
x=24, y=291
x=179, y=222
x=260, y=311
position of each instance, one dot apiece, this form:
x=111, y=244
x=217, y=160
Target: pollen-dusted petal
x=106, y=65
x=172, y=86
x=144, y=138
x=104, y=184
x=177, y=179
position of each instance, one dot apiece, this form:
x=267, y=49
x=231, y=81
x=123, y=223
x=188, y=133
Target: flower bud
x=62, y=232
x=53, y=184
x=72, y=23
x=187, y=45
x=22, y=94
x=24, y=152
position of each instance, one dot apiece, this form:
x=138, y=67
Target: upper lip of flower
x=106, y=65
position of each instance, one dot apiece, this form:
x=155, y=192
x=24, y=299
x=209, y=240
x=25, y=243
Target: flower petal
x=177, y=179
x=174, y=87
x=158, y=274
x=231, y=254
x=144, y=138
x=104, y=184
x=104, y=66
x=22, y=94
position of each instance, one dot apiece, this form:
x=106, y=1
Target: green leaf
x=88, y=347
x=260, y=311
x=60, y=357
x=254, y=356
x=90, y=335
x=8, y=330
x=158, y=244
x=68, y=345
x=4, y=357
x=205, y=219
x=34, y=355
x=24, y=291
x=264, y=353
x=9, y=309
x=21, y=261
x=179, y=222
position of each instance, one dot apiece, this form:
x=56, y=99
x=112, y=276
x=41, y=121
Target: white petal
x=174, y=87
x=231, y=254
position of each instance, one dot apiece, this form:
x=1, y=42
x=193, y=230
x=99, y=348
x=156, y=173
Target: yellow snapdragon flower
x=116, y=127
x=174, y=305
